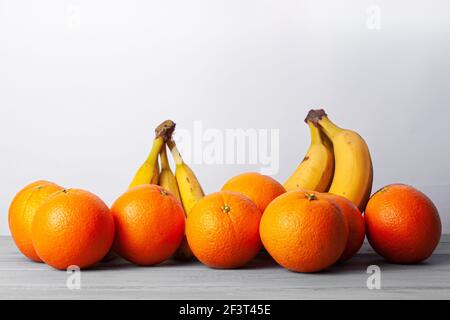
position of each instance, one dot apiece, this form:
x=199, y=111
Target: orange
x=259, y=188
x=355, y=222
x=304, y=232
x=22, y=211
x=73, y=227
x=403, y=224
x=223, y=230
x=149, y=224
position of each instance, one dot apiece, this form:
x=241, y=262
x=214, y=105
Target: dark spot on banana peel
x=187, y=179
x=305, y=159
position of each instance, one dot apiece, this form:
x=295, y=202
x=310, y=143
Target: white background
x=83, y=83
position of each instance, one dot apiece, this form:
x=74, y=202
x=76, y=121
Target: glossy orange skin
x=223, y=230
x=259, y=188
x=355, y=222
x=403, y=224
x=304, y=235
x=22, y=211
x=149, y=225
x=73, y=227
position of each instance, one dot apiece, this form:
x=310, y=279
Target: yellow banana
x=190, y=189
x=169, y=182
x=315, y=172
x=167, y=179
x=353, y=175
x=156, y=172
x=190, y=192
x=147, y=172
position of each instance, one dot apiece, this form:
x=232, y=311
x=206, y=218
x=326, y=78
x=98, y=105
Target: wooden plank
x=261, y=279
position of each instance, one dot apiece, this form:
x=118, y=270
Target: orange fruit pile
x=304, y=231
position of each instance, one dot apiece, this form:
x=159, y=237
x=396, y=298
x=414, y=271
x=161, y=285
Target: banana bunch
x=338, y=162
x=183, y=184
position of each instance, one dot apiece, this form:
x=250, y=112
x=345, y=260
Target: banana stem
x=163, y=132
x=153, y=156
x=316, y=136
x=175, y=152
x=329, y=127
x=319, y=118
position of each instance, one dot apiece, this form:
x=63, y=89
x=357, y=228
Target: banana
x=190, y=189
x=190, y=193
x=156, y=172
x=167, y=179
x=353, y=176
x=147, y=172
x=315, y=172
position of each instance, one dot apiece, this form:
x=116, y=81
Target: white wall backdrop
x=83, y=83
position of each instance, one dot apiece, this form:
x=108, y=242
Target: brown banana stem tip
x=165, y=130
x=314, y=116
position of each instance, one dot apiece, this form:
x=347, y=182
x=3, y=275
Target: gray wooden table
x=261, y=279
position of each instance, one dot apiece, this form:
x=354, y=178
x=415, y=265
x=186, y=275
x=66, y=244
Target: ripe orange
x=259, y=188
x=403, y=224
x=73, y=227
x=149, y=224
x=22, y=211
x=304, y=232
x=355, y=222
x=223, y=230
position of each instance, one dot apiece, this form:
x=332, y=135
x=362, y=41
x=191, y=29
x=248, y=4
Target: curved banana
x=167, y=179
x=315, y=172
x=147, y=171
x=190, y=192
x=353, y=175
x=190, y=189
x=156, y=172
